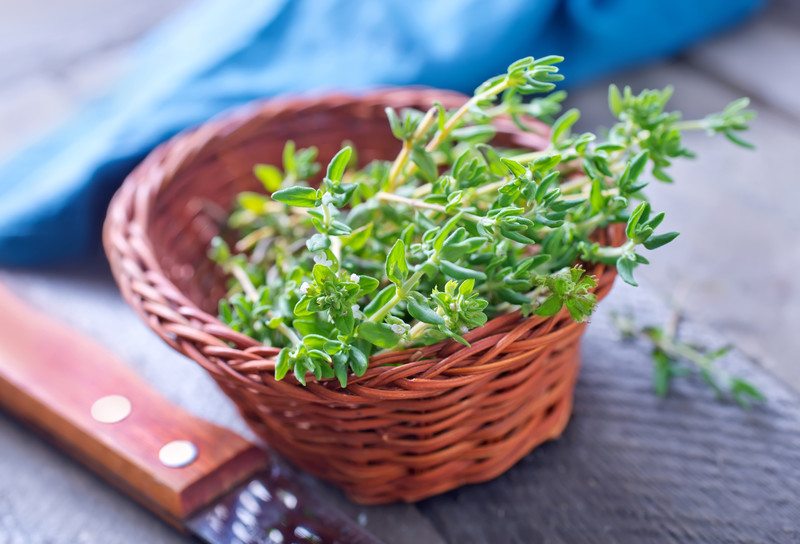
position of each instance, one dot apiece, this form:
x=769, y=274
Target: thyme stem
x=421, y=205
x=402, y=291
x=400, y=162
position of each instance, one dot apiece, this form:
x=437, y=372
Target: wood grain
x=597, y=483
x=630, y=468
x=634, y=468
x=50, y=376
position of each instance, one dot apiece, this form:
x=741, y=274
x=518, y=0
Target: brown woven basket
x=450, y=415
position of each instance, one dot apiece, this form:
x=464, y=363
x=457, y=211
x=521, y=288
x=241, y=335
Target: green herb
x=454, y=230
x=673, y=358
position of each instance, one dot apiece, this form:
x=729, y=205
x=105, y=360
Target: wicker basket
x=450, y=415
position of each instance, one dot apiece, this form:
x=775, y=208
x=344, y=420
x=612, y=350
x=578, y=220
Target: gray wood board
x=764, y=65
x=630, y=468
x=738, y=253
x=57, y=54
x=47, y=36
x=726, y=200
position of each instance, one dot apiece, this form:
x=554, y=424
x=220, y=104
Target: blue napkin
x=221, y=53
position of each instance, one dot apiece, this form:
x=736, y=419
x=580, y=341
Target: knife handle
x=51, y=376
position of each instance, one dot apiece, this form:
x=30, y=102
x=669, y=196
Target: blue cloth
x=220, y=53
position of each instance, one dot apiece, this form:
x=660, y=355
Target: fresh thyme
x=454, y=230
x=673, y=358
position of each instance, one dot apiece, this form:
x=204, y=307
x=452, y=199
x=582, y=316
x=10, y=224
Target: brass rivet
x=177, y=454
x=111, y=409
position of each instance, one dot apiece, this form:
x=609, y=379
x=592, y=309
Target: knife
x=198, y=476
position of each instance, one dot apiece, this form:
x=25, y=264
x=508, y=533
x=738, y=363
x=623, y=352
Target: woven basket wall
x=448, y=416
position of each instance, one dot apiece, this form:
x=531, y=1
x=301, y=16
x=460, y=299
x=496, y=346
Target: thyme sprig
x=452, y=232
x=675, y=358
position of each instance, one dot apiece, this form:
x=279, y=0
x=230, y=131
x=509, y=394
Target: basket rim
x=154, y=296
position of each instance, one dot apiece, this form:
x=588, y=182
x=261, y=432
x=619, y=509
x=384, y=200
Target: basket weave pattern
x=448, y=416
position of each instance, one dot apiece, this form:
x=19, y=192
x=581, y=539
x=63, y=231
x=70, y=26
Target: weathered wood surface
x=738, y=200
x=630, y=468
x=58, y=54
x=738, y=254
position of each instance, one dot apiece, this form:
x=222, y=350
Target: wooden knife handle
x=51, y=376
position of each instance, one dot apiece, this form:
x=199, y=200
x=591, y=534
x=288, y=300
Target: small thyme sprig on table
x=454, y=230
x=673, y=358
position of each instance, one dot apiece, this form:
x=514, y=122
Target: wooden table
x=631, y=467
x=726, y=199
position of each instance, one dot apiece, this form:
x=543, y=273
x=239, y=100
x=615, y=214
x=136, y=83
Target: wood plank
x=34, y=104
x=634, y=468
x=760, y=58
x=738, y=254
x=32, y=42
x=630, y=468
x=86, y=297
x=52, y=65
x=46, y=497
x=784, y=12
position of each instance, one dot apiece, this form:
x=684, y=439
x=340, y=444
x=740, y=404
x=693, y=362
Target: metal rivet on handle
x=111, y=409
x=177, y=454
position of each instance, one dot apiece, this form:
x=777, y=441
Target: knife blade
x=272, y=509
x=199, y=477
